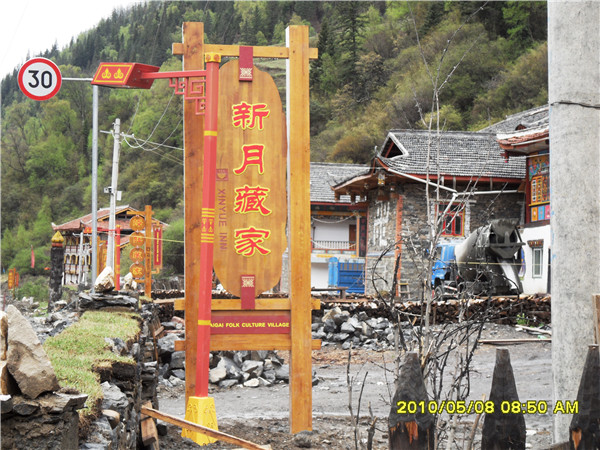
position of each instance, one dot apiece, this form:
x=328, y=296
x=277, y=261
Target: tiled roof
x=532, y=118
x=325, y=175
x=461, y=153
x=85, y=221
x=103, y=215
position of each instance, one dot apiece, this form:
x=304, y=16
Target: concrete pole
x=110, y=254
x=574, y=96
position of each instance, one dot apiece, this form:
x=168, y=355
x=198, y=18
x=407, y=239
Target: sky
x=33, y=26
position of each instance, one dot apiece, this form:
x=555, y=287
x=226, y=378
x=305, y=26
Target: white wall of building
x=319, y=273
x=335, y=231
x=531, y=284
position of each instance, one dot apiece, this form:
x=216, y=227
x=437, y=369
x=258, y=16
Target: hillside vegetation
x=381, y=65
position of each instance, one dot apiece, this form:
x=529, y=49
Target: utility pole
x=110, y=256
x=574, y=97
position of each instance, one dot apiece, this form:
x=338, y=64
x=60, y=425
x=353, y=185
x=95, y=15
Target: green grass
x=80, y=348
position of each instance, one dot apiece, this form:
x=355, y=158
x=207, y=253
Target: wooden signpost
x=235, y=207
x=250, y=212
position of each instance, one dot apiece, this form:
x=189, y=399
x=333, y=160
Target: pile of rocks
x=248, y=368
x=227, y=369
x=357, y=329
x=33, y=409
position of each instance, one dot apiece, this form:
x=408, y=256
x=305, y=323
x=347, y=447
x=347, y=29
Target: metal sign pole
x=94, y=186
x=94, y=267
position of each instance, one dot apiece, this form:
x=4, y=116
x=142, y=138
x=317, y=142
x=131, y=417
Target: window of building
x=538, y=258
x=453, y=222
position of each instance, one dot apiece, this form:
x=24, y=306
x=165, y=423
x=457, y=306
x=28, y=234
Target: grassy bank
x=81, y=348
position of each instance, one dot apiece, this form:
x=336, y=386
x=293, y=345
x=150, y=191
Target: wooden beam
x=234, y=51
x=149, y=431
x=234, y=304
x=298, y=128
x=237, y=342
x=200, y=429
x=512, y=341
x=193, y=59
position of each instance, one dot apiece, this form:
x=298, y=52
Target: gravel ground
x=261, y=414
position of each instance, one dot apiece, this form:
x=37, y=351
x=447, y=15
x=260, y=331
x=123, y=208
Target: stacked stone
x=353, y=330
x=125, y=386
x=34, y=415
x=227, y=369
x=248, y=368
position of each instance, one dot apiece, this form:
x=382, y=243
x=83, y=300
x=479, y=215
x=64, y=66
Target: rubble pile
x=34, y=409
x=227, y=369
x=356, y=329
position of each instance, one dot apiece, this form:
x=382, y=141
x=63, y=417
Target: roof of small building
x=453, y=153
x=82, y=222
x=325, y=175
x=531, y=118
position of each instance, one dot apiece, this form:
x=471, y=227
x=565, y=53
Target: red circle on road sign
x=40, y=79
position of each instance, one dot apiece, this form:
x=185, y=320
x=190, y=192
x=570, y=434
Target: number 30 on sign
x=40, y=79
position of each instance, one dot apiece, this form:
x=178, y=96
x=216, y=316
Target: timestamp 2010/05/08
x=487, y=407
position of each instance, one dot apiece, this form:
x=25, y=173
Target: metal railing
x=333, y=245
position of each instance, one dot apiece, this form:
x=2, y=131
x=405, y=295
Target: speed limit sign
x=40, y=79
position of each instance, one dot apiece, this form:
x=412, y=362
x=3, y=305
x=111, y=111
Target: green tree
x=350, y=23
x=527, y=23
x=173, y=247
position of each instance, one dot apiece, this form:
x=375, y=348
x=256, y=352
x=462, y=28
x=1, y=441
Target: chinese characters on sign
x=251, y=199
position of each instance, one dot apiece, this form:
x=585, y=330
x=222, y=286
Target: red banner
x=157, y=247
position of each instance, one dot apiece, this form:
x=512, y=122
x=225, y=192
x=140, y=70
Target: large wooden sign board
x=255, y=200
x=251, y=201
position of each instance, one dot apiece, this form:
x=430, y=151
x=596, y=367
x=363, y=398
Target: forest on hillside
x=381, y=65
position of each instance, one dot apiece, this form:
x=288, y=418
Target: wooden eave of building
x=361, y=185
x=337, y=208
x=525, y=142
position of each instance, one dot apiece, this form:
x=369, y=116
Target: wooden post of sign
x=148, y=256
x=193, y=59
x=298, y=126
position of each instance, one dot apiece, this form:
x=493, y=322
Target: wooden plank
x=535, y=330
x=156, y=333
x=298, y=116
x=250, y=342
x=166, y=301
x=234, y=51
x=511, y=341
x=193, y=59
x=234, y=304
x=149, y=431
x=200, y=429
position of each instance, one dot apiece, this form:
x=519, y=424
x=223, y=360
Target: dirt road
x=262, y=413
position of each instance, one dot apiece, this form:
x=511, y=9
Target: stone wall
x=402, y=217
x=51, y=420
x=381, y=237
x=125, y=387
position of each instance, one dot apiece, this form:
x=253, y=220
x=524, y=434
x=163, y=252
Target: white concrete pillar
x=574, y=96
